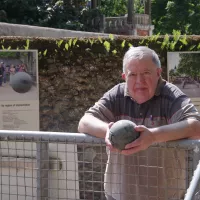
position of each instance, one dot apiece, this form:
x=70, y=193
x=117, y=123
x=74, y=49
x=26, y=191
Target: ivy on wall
x=112, y=46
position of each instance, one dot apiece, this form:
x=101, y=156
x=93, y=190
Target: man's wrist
x=155, y=137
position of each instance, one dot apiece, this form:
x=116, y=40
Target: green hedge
x=67, y=50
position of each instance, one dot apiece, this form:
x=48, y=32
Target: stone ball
x=122, y=133
x=21, y=82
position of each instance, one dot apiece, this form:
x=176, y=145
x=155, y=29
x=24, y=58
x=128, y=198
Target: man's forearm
x=93, y=126
x=185, y=129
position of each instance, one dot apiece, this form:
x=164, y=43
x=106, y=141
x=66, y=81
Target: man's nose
x=140, y=78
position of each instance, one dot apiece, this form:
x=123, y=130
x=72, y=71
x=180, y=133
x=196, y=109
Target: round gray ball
x=122, y=133
x=21, y=82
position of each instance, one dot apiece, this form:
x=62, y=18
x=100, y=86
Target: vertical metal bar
x=57, y=174
x=9, y=185
x=42, y=157
x=190, y=195
x=1, y=171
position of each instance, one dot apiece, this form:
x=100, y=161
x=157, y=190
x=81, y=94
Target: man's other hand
x=145, y=140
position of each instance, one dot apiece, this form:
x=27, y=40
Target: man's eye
x=133, y=74
x=146, y=73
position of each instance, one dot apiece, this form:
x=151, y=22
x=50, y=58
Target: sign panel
x=19, y=90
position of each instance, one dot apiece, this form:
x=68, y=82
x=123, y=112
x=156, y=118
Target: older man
x=161, y=111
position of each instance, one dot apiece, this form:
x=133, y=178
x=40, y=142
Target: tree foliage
x=183, y=15
x=74, y=14
x=172, y=15
x=113, y=8
x=189, y=64
x=116, y=8
x=50, y=13
x=21, y=11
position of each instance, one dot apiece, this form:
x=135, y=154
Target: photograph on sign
x=18, y=75
x=184, y=72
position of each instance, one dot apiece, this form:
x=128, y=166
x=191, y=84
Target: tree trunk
x=130, y=18
x=93, y=4
x=147, y=9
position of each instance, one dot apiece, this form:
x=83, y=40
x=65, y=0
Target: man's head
x=141, y=71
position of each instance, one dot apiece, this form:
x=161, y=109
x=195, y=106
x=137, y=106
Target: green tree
x=73, y=15
x=49, y=13
x=116, y=8
x=113, y=8
x=22, y=11
x=189, y=65
x=172, y=15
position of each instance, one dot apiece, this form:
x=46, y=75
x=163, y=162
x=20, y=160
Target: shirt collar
x=161, y=83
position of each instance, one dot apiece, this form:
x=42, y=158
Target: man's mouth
x=140, y=89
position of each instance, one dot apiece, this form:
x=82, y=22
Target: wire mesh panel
x=51, y=166
x=18, y=170
x=92, y=163
x=158, y=173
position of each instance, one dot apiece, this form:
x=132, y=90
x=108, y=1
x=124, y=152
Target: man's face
x=141, y=77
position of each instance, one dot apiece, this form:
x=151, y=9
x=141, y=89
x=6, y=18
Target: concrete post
x=102, y=23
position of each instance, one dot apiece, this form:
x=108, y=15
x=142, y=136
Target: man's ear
x=159, y=71
x=123, y=76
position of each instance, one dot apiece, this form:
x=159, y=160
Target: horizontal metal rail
x=81, y=137
x=49, y=136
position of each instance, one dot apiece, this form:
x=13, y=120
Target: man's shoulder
x=171, y=91
x=118, y=89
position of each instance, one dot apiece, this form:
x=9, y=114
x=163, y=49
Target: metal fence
x=52, y=165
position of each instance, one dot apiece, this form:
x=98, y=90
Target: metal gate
x=53, y=165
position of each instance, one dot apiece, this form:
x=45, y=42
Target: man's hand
x=108, y=143
x=145, y=140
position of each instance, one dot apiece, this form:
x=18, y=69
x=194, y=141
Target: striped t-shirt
x=169, y=105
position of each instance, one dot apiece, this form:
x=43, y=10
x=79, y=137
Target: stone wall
x=67, y=90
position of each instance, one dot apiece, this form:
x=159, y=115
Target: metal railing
x=141, y=19
x=53, y=165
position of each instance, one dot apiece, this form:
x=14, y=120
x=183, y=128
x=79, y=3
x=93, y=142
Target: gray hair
x=140, y=53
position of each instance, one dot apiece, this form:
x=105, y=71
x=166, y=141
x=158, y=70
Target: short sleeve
x=182, y=109
x=103, y=108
